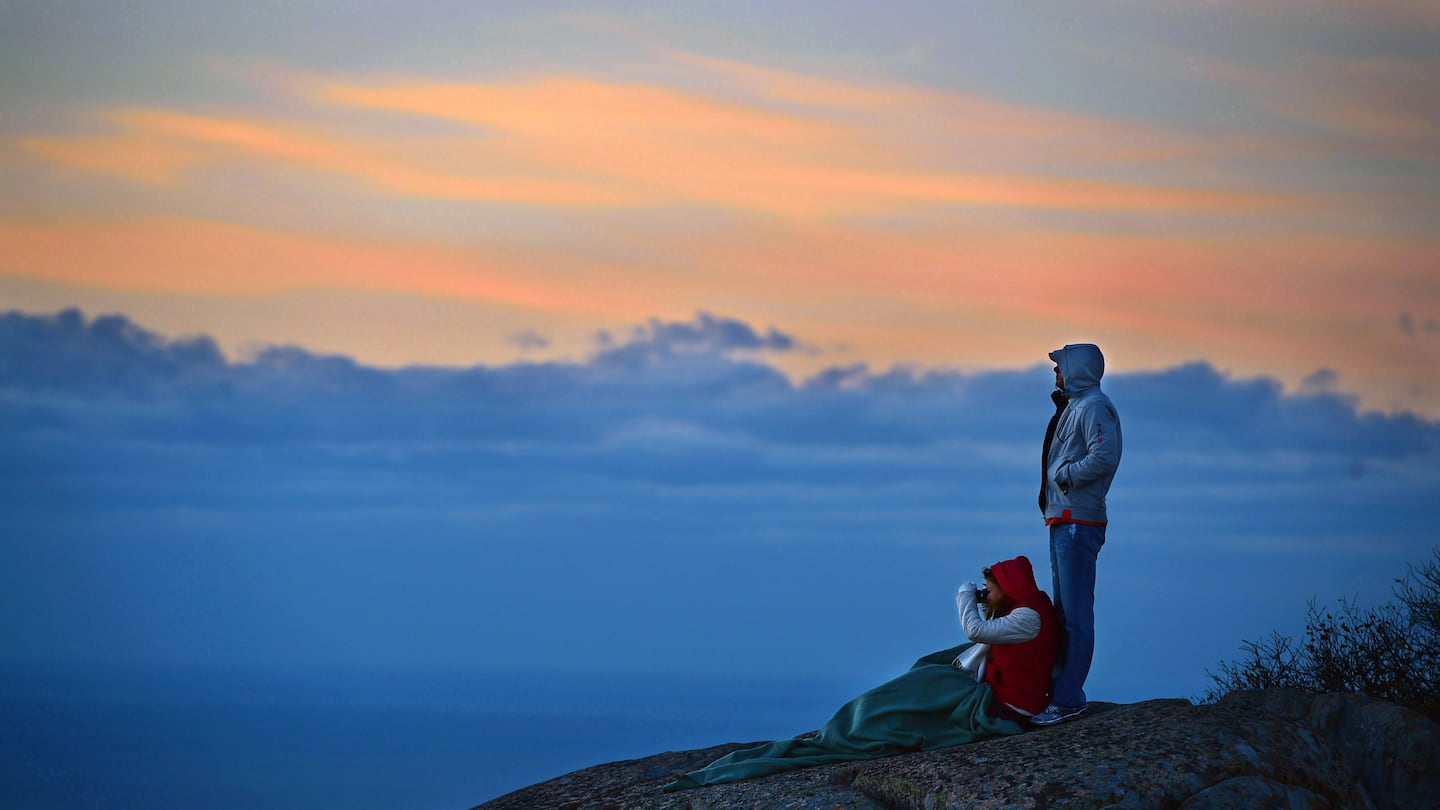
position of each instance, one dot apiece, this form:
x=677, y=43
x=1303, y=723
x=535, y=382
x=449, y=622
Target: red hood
x=1016, y=577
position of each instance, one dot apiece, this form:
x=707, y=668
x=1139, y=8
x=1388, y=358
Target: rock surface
x=1271, y=748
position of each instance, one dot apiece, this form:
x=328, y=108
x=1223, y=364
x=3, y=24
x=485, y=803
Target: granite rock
x=1270, y=748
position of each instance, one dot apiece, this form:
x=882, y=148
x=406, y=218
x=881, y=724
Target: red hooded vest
x=1020, y=674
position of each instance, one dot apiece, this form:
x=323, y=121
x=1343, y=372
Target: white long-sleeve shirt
x=1016, y=627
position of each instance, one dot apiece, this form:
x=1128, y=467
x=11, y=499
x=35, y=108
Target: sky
x=698, y=337
x=931, y=184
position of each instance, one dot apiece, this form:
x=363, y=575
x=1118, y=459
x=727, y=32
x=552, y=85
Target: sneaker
x=1058, y=714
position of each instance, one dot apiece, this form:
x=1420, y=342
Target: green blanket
x=934, y=705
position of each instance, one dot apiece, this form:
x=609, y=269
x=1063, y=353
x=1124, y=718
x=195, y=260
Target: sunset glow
x=1281, y=222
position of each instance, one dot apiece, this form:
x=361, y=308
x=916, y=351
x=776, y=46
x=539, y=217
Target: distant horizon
x=767, y=346
x=92, y=738
x=674, y=459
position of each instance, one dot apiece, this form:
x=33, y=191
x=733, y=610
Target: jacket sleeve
x=1101, y=431
x=1017, y=627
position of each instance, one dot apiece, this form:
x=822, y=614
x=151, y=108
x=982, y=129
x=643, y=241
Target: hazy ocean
x=226, y=740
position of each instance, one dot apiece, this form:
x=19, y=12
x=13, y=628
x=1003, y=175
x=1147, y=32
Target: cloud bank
x=671, y=502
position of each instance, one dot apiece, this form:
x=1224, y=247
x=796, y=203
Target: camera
x=982, y=595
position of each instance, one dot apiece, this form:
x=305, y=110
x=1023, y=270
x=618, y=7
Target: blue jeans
x=1073, y=550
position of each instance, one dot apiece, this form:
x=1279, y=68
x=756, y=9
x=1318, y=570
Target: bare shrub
x=1391, y=652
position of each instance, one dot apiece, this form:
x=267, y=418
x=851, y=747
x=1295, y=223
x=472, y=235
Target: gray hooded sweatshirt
x=1086, y=449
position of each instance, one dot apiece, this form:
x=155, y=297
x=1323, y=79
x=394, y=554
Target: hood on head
x=1082, y=365
x=1016, y=577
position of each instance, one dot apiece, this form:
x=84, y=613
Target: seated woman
x=963, y=694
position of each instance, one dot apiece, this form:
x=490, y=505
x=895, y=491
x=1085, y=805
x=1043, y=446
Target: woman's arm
x=1017, y=627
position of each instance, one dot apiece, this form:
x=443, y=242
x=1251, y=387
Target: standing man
x=1081, y=454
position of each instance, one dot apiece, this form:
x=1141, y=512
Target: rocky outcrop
x=1271, y=748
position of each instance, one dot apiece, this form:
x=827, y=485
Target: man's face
x=1059, y=378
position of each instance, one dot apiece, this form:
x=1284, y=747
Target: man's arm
x=1101, y=428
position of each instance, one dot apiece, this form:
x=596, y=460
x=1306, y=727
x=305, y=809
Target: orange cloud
x=188, y=256
x=135, y=156
x=835, y=148
x=949, y=125
x=157, y=146
x=1275, y=306
x=1218, y=297
x=923, y=225
x=762, y=141
x=976, y=298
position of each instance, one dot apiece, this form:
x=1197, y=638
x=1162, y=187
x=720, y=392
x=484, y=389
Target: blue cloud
x=110, y=353
x=648, y=508
x=528, y=340
x=706, y=333
x=1198, y=406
